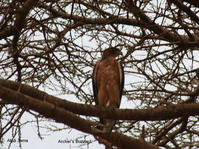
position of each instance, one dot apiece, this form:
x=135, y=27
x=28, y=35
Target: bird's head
x=112, y=51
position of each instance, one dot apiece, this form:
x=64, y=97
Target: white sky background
x=51, y=139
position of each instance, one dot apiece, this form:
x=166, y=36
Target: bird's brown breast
x=108, y=83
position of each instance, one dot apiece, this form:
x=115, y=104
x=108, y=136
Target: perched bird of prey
x=108, y=83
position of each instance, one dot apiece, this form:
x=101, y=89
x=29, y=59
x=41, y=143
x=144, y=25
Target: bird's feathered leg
x=108, y=125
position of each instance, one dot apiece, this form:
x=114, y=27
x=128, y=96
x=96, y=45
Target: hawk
x=108, y=83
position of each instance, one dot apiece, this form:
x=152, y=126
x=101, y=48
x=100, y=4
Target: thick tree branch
x=96, y=21
x=168, y=35
x=146, y=22
x=193, y=2
x=172, y=135
x=22, y=13
x=166, y=130
x=9, y=31
x=187, y=10
x=161, y=31
x=47, y=109
x=151, y=114
x=19, y=22
x=63, y=116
